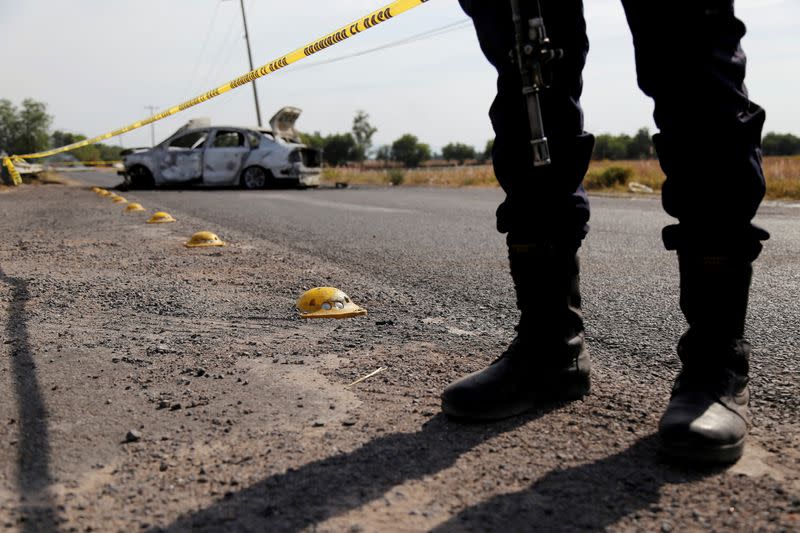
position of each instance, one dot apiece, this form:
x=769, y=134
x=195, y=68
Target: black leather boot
x=707, y=417
x=547, y=360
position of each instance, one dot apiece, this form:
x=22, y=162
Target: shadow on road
x=37, y=510
x=330, y=487
x=589, y=497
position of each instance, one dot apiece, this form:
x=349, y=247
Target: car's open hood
x=282, y=124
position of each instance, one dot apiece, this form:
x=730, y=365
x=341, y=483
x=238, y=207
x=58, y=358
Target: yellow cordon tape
x=16, y=179
x=96, y=163
x=345, y=32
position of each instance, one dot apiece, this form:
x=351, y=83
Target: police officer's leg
x=690, y=61
x=545, y=214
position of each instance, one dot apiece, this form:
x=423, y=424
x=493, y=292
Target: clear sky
x=98, y=63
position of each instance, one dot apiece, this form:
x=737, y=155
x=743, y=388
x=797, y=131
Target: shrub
x=409, y=151
x=608, y=178
x=395, y=176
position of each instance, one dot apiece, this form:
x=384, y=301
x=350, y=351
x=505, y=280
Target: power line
x=221, y=68
x=455, y=26
x=229, y=47
x=435, y=32
x=231, y=44
x=224, y=47
x=203, y=48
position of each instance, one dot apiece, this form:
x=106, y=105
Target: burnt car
x=216, y=156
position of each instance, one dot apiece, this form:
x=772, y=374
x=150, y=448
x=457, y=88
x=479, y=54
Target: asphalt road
x=442, y=244
x=431, y=269
x=410, y=236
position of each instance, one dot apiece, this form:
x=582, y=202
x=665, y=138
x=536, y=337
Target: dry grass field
x=782, y=173
x=783, y=177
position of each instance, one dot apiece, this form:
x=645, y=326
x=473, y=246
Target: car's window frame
x=197, y=145
x=253, y=138
x=242, y=137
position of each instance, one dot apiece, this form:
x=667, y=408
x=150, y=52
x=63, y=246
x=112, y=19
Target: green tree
x=362, y=134
x=87, y=153
x=8, y=125
x=84, y=153
x=339, y=148
x=409, y=151
x=92, y=152
x=615, y=147
x=110, y=153
x=384, y=153
x=780, y=144
x=24, y=130
x=62, y=138
x=487, y=152
x=458, y=152
x=612, y=147
x=314, y=140
x=640, y=145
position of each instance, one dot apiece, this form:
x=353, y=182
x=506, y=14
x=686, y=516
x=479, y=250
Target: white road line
x=326, y=203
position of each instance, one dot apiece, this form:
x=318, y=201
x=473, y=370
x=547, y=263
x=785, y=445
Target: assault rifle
x=534, y=54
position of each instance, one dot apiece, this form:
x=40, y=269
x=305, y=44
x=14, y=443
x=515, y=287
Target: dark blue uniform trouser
x=689, y=60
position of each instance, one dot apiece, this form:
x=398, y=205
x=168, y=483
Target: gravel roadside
x=154, y=387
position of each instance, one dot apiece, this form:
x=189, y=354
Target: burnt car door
x=181, y=158
x=224, y=156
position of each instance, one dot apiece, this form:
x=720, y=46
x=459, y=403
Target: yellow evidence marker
x=327, y=302
x=203, y=239
x=160, y=217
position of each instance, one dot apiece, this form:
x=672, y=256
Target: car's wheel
x=254, y=178
x=141, y=177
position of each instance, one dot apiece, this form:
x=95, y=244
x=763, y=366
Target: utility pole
x=152, y=109
x=250, y=58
